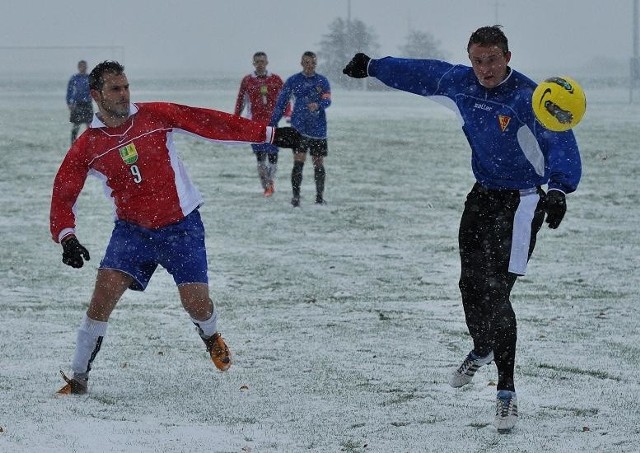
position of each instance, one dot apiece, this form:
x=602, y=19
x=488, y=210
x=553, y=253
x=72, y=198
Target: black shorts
x=82, y=113
x=315, y=146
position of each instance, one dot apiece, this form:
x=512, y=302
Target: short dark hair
x=96, y=77
x=489, y=36
x=308, y=53
x=259, y=54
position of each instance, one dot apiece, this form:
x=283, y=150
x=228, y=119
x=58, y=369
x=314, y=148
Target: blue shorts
x=179, y=248
x=264, y=148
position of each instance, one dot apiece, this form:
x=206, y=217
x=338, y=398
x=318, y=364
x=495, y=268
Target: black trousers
x=496, y=238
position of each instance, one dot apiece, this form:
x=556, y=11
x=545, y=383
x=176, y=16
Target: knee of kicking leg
x=504, y=317
x=472, y=282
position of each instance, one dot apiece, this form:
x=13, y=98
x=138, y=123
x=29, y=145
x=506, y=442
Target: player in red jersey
x=258, y=93
x=130, y=148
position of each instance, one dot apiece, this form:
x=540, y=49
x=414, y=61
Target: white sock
x=207, y=328
x=88, y=344
x=263, y=173
x=273, y=169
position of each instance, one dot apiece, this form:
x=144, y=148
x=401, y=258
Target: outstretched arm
x=422, y=77
x=222, y=126
x=358, y=66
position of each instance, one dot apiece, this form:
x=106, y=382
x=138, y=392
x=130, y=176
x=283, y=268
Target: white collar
x=97, y=122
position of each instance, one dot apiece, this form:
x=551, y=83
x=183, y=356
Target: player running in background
x=312, y=96
x=79, y=100
x=258, y=93
x=512, y=156
x=130, y=148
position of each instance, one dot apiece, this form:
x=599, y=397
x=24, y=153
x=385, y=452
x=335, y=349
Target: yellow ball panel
x=559, y=103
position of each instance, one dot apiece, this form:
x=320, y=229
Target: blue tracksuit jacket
x=78, y=89
x=509, y=148
x=305, y=89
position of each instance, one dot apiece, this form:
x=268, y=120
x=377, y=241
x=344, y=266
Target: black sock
x=319, y=174
x=296, y=178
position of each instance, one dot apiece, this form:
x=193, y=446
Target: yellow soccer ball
x=559, y=103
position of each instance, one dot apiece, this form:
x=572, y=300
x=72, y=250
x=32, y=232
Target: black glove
x=286, y=137
x=73, y=252
x=357, y=67
x=556, y=205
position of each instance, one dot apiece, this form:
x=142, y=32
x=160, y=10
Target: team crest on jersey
x=504, y=121
x=129, y=154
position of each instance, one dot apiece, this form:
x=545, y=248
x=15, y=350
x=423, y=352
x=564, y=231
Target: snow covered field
x=344, y=320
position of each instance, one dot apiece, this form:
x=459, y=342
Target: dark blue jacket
x=509, y=148
x=78, y=89
x=305, y=89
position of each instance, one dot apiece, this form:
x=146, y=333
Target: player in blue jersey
x=312, y=96
x=512, y=156
x=79, y=100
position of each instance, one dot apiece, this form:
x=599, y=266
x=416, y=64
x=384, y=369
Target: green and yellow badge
x=129, y=154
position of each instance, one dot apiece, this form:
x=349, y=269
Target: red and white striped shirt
x=259, y=95
x=139, y=166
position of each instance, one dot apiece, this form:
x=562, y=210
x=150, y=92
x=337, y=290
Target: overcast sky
x=220, y=36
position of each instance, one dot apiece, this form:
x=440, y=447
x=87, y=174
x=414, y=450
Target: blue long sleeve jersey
x=78, y=89
x=509, y=148
x=305, y=90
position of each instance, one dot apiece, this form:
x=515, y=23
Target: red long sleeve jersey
x=139, y=166
x=259, y=95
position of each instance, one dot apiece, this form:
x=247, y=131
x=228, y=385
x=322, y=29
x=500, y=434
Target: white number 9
x=137, y=176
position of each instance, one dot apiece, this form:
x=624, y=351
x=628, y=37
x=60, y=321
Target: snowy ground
x=345, y=319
